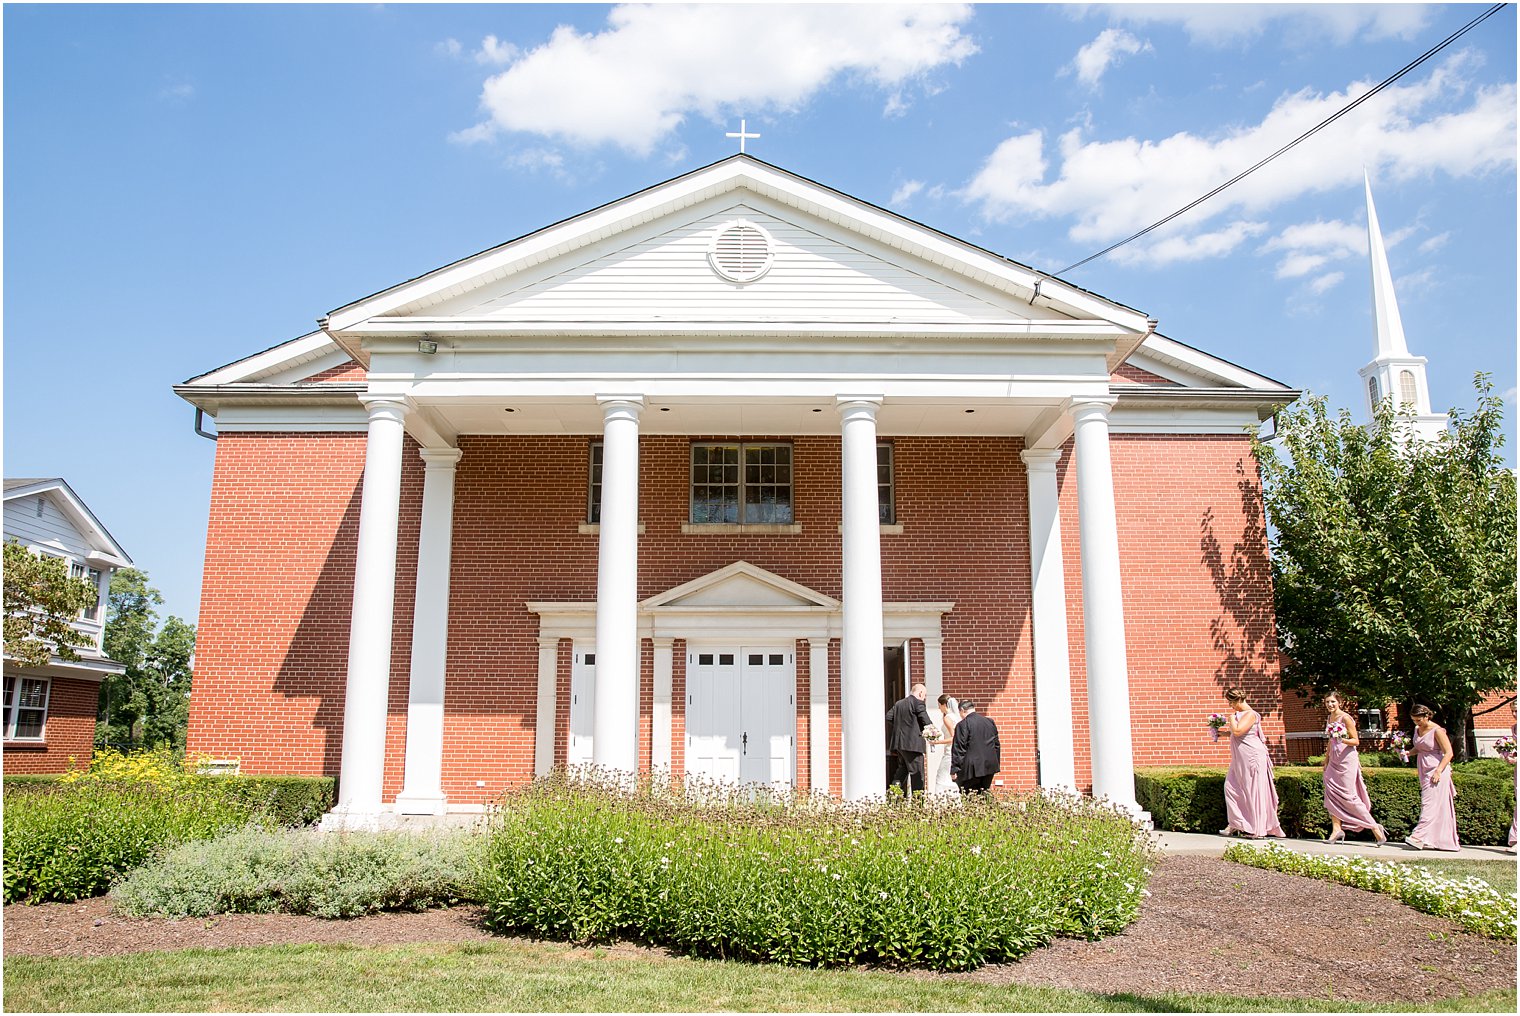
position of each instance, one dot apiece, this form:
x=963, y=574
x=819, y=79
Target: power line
x=1302, y=137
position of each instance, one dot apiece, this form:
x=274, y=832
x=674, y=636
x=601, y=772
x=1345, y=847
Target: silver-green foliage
x=1470, y=902
x=305, y=872
x=810, y=882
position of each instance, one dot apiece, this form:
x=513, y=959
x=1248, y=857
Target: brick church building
x=701, y=480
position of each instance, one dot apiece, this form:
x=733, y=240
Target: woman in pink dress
x=1250, y=796
x=1514, y=731
x=1438, y=798
x=1345, y=791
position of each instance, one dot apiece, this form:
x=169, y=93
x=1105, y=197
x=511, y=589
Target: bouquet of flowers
x=931, y=733
x=1505, y=746
x=1399, y=741
x=1335, y=731
x=1216, y=723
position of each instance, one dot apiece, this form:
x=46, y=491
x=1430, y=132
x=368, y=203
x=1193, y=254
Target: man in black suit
x=975, y=754
x=905, y=739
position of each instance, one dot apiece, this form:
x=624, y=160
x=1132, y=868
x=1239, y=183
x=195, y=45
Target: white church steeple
x=1393, y=372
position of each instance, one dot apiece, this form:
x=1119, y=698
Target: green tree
x=1393, y=559
x=41, y=605
x=149, y=704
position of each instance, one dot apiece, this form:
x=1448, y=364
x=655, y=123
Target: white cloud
x=1309, y=246
x=473, y=135
x=1215, y=24
x=653, y=66
x=493, y=51
x=1190, y=247
x=1093, y=59
x=1435, y=243
x=179, y=91
x=448, y=47
x=1326, y=282
x=905, y=191
x=1440, y=124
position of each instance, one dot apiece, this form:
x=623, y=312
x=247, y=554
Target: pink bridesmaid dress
x=1516, y=820
x=1250, y=796
x=1345, y=790
x=1438, y=801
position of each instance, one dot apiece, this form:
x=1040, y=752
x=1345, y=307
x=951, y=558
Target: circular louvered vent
x=741, y=252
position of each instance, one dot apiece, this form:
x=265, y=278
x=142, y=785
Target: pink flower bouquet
x=1505, y=747
x=1216, y=723
x=1335, y=731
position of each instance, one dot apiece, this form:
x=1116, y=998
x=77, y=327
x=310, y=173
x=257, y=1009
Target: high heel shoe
x=1338, y=837
x=1379, y=836
x=1227, y=831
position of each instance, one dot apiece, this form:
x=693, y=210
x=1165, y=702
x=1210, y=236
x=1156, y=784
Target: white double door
x=741, y=714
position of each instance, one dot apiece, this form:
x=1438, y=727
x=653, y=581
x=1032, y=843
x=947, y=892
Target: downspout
x=199, y=415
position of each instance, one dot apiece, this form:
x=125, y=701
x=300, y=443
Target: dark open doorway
x=894, y=683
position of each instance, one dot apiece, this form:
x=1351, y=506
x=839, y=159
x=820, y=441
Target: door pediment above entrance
x=741, y=585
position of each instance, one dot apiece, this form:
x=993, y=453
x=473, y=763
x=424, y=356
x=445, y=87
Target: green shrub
x=1471, y=902
x=281, y=800
x=23, y=782
x=809, y=882
x=1493, y=768
x=70, y=840
x=1192, y=800
x=254, y=871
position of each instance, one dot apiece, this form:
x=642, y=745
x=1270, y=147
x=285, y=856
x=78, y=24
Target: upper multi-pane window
x=594, y=489
x=25, y=708
x=886, y=510
x=1408, y=393
x=741, y=482
x=92, y=576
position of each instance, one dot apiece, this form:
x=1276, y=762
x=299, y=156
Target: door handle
x=744, y=744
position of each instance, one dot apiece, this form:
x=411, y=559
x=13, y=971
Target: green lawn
x=1498, y=873
x=540, y=976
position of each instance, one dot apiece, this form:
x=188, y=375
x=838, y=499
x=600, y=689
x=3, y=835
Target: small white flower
x=617, y=839
x=883, y=895
x=977, y=850
x=664, y=860
x=836, y=876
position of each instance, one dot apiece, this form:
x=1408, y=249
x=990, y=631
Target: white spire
x=1385, y=308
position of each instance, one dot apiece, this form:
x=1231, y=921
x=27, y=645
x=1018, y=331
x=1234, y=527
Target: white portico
x=739, y=300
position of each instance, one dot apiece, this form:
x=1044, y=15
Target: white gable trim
x=104, y=548
x=734, y=173
x=273, y=365
x=799, y=595
x=1194, y=368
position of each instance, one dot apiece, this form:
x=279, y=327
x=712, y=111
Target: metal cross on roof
x=741, y=136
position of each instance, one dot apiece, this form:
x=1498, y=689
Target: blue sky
x=187, y=185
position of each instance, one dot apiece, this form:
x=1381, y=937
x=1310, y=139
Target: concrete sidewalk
x=1212, y=845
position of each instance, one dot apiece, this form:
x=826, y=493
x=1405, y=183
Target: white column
x=1052, y=655
x=818, y=713
x=614, y=725
x=934, y=672
x=660, y=723
x=422, y=789
x=1103, y=609
x=861, y=711
x=548, y=690
x=365, y=705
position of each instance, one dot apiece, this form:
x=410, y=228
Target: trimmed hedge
x=282, y=800
x=1191, y=799
x=29, y=781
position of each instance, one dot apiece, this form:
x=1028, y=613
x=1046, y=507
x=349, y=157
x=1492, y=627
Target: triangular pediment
x=740, y=585
x=644, y=259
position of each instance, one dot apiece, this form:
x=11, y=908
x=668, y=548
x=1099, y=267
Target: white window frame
x=743, y=446
x=14, y=710
x=90, y=614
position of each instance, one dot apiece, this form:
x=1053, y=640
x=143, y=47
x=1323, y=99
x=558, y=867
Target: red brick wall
x=272, y=645
x=350, y=371
x=274, y=625
x=69, y=731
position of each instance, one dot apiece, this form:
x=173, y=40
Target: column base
x=421, y=804
x=346, y=818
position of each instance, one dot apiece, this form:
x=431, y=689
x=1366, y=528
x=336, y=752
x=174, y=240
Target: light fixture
x=970, y=410
x=664, y=409
x=427, y=346
x=509, y=409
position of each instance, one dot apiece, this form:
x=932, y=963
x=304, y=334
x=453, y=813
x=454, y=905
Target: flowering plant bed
x=1470, y=902
x=808, y=881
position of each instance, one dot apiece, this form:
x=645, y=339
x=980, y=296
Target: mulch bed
x=1209, y=927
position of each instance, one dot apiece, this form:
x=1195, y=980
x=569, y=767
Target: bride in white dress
x=938, y=774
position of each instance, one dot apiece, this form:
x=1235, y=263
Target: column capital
x=1041, y=460
x=1088, y=406
x=383, y=407
x=440, y=458
x=662, y=641
x=931, y=641
x=612, y=405
x=857, y=405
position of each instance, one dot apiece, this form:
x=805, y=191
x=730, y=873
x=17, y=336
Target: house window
x=1372, y=392
x=886, y=509
x=594, y=488
x=26, y=701
x=92, y=576
x=1369, y=720
x=741, y=483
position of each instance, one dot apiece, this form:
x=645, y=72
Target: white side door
x=767, y=741
x=582, y=706
x=713, y=734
